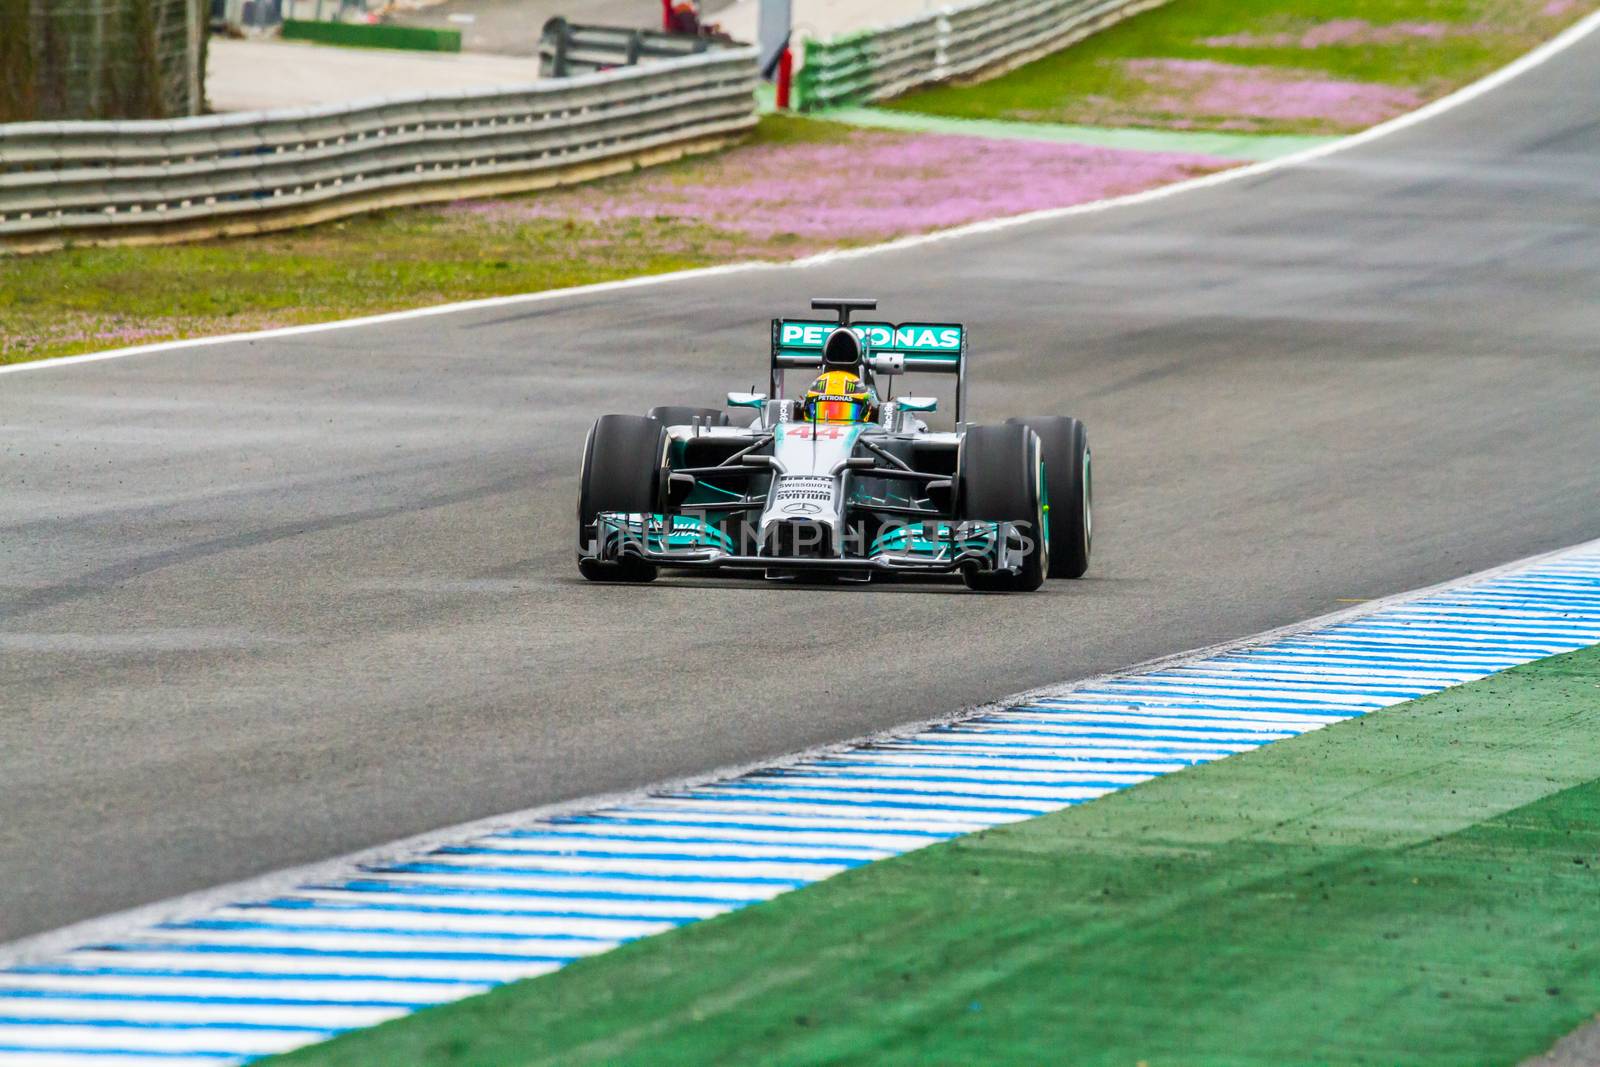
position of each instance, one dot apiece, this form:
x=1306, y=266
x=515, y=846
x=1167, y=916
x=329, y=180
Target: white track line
x=1539, y=56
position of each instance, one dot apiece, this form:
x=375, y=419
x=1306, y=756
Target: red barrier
x=785, y=75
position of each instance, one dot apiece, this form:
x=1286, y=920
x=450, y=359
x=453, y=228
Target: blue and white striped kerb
x=259, y=976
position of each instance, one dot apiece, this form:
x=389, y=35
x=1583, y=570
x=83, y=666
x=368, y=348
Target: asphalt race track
x=268, y=602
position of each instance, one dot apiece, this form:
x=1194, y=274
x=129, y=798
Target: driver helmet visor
x=837, y=411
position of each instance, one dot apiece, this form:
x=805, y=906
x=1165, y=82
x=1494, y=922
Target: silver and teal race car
x=876, y=492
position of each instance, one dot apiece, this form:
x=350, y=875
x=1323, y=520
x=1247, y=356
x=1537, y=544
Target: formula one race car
x=841, y=482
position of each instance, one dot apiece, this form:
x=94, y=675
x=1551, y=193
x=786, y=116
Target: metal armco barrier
x=970, y=40
x=166, y=180
x=566, y=48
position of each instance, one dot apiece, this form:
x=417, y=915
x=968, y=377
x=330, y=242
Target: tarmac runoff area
x=501, y=26
x=822, y=18
x=259, y=75
x=511, y=27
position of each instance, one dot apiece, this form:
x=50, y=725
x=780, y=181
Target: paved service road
x=264, y=73
x=513, y=26
x=268, y=602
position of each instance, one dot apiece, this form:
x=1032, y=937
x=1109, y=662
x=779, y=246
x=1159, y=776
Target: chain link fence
x=100, y=59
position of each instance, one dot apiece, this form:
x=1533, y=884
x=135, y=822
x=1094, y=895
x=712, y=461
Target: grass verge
x=1264, y=66
x=1415, y=886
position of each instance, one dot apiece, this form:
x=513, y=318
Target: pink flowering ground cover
x=866, y=186
x=1228, y=96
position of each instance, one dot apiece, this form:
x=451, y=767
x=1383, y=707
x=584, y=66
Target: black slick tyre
x=1069, y=490
x=624, y=469
x=999, y=478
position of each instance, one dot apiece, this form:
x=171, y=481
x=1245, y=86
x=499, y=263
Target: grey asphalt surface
x=265, y=603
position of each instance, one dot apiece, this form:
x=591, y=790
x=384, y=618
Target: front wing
x=930, y=547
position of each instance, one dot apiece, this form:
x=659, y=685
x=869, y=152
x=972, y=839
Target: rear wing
x=890, y=348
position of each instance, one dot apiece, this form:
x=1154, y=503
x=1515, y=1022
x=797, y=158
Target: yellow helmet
x=839, y=396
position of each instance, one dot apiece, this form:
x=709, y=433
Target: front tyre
x=624, y=469
x=1000, y=478
x=1069, y=489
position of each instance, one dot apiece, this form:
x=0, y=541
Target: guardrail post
x=199, y=15
x=941, y=43
x=806, y=81
x=562, y=32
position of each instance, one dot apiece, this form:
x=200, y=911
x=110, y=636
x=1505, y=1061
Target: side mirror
x=746, y=400
x=892, y=364
x=918, y=403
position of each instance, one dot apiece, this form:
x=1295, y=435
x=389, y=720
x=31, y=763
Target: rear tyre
x=624, y=469
x=1000, y=478
x=1069, y=491
x=683, y=415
